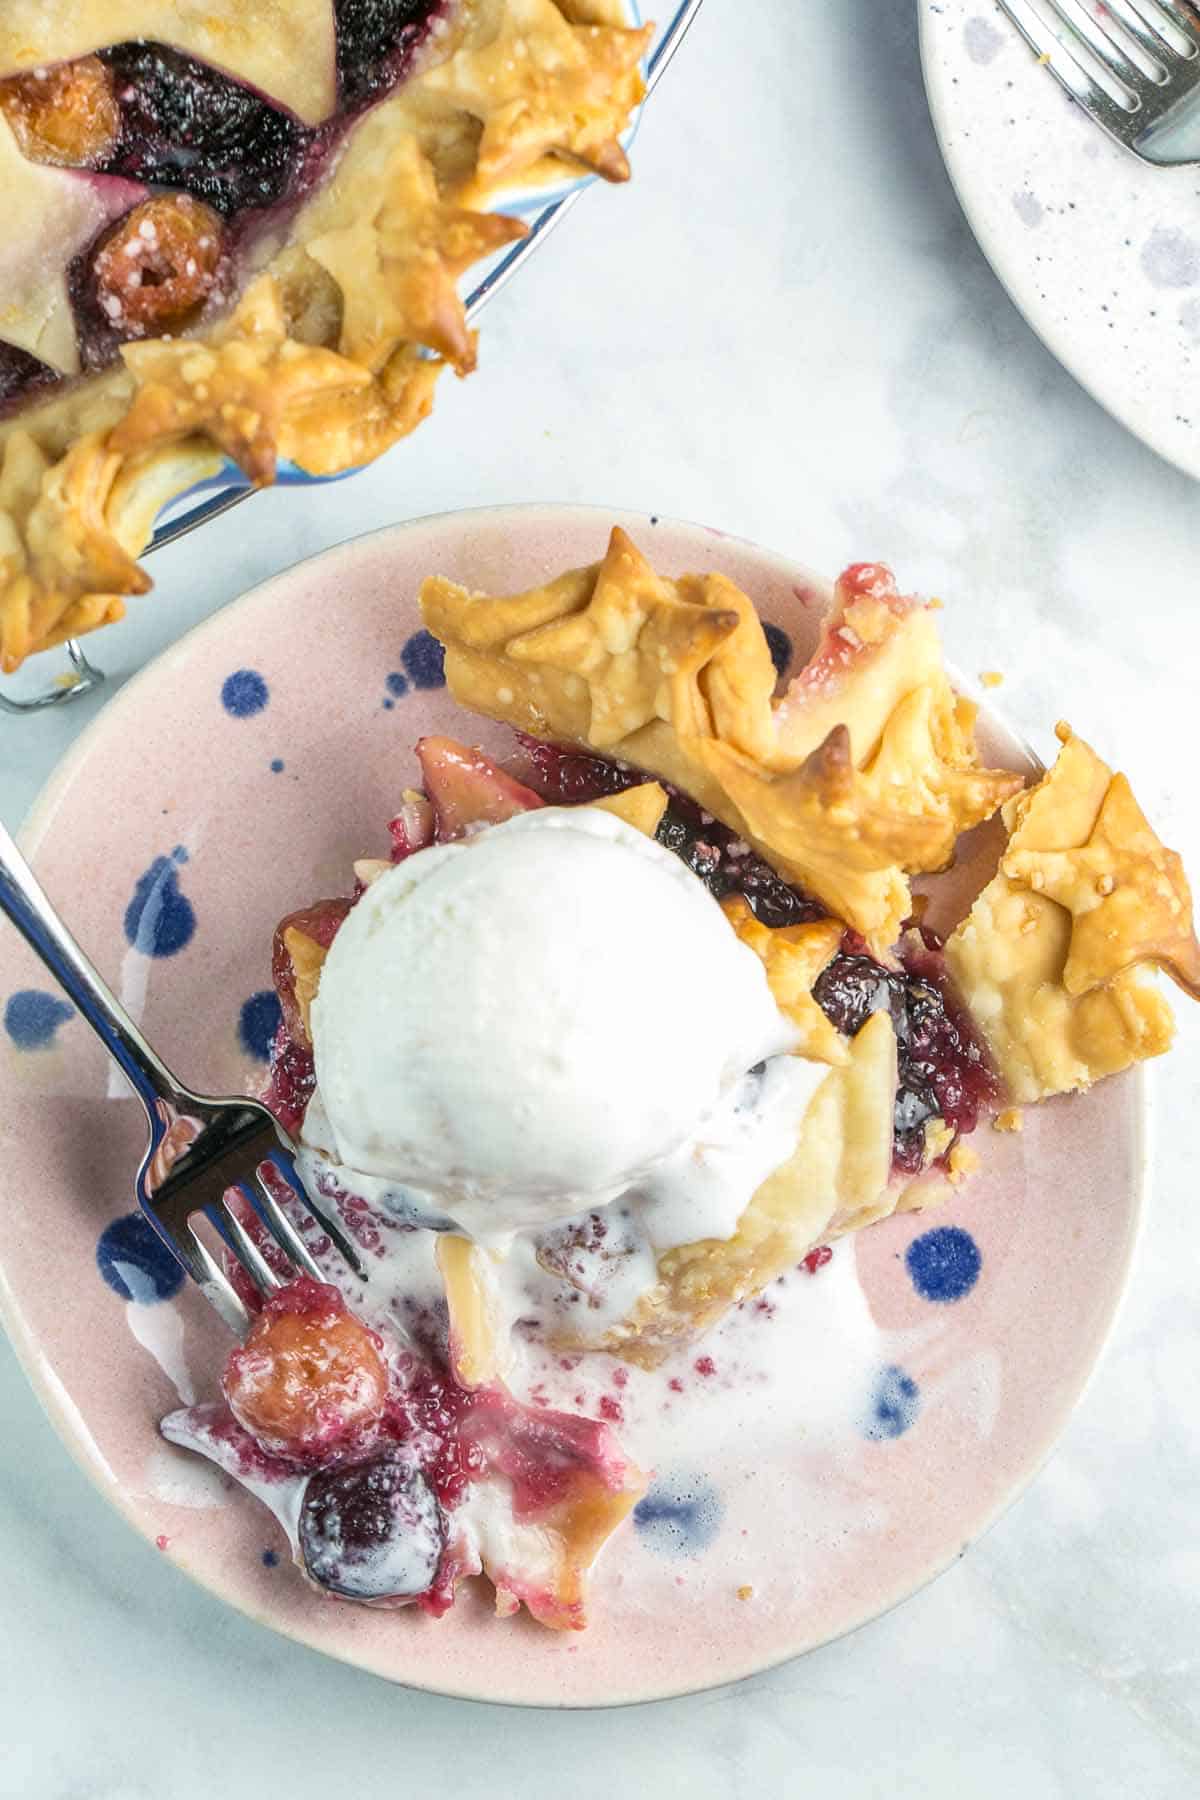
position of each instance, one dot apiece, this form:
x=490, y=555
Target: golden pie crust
x=335, y=346
x=1055, y=958
x=836, y=1180
x=867, y=749
x=862, y=772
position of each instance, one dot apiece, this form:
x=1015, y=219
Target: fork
x=1165, y=32
x=202, y=1150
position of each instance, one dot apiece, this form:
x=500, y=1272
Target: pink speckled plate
x=200, y=825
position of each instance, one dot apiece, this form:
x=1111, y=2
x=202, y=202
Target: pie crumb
x=962, y=1161
x=991, y=678
x=1011, y=1119
x=745, y=1593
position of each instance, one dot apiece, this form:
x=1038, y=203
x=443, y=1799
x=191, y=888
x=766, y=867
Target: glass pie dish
x=90, y=135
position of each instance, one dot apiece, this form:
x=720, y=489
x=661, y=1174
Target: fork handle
x=23, y=901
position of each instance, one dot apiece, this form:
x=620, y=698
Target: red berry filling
x=942, y=1065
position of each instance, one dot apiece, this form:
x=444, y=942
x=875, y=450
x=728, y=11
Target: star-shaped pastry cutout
x=825, y=829
x=1127, y=895
x=61, y=568
x=793, y=956
x=541, y=86
x=335, y=428
x=876, y=646
x=236, y=389
x=283, y=48
x=398, y=265
x=926, y=767
x=632, y=644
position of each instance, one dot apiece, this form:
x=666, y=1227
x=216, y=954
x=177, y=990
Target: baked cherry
x=66, y=115
x=372, y=1531
x=309, y=1380
x=153, y=271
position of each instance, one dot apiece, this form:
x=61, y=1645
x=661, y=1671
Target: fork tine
x=211, y=1279
x=1151, y=28
x=281, y=1228
x=1104, y=46
x=244, y=1247
x=332, y=1226
x=1061, y=61
x=326, y=1216
x=1150, y=36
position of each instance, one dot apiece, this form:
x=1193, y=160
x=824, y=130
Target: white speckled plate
x=1100, y=251
x=932, y=1362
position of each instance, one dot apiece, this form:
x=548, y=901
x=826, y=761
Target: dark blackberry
x=375, y=40
x=186, y=125
x=698, y=853
x=373, y=1531
x=21, y=376
x=768, y=895
x=942, y=1069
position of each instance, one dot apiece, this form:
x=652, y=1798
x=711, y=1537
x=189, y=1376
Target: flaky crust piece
x=862, y=772
x=1054, y=956
x=335, y=346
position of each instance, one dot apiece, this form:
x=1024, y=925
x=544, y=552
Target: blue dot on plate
x=244, y=693
x=396, y=684
x=680, y=1516
x=135, y=1262
x=258, y=1023
x=388, y=705
x=780, y=646
x=160, y=920
x=270, y=1559
x=944, y=1264
x=895, y=1404
x=424, y=660
x=31, y=1018
x=277, y=765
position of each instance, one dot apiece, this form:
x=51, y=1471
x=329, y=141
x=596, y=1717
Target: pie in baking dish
x=767, y=833
x=237, y=230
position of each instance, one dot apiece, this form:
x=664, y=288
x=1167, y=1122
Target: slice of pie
x=237, y=230
x=632, y=1025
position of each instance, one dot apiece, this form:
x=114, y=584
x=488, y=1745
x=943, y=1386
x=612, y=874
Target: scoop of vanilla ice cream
x=526, y=1023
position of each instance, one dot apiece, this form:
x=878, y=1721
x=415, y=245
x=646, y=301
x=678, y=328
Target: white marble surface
x=783, y=328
